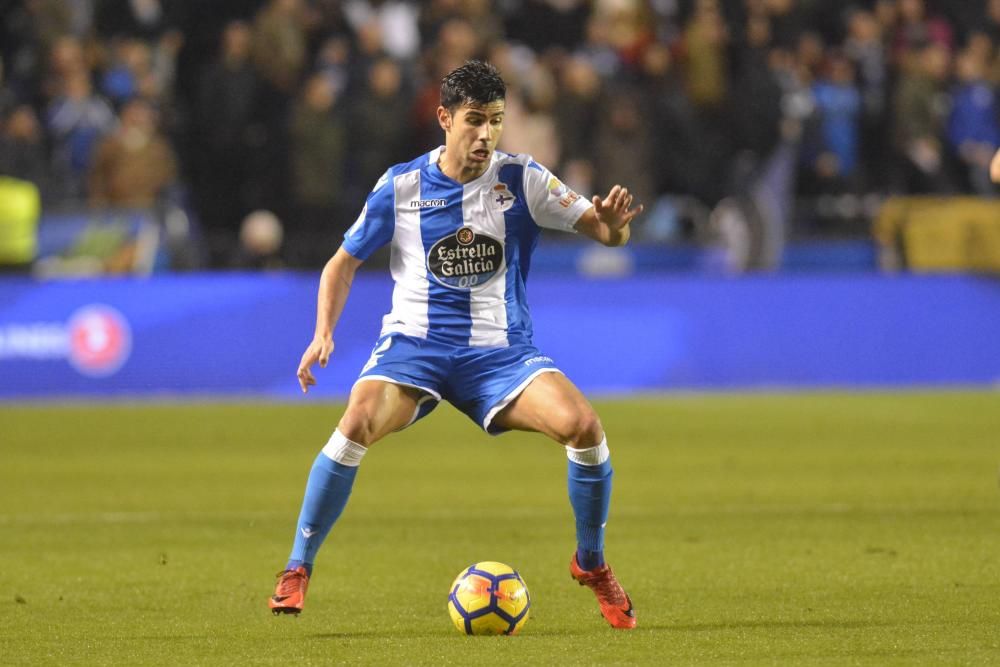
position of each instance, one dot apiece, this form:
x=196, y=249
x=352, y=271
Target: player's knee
x=581, y=429
x=358, y=425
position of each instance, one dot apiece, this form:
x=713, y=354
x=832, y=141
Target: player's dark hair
x=476, y=82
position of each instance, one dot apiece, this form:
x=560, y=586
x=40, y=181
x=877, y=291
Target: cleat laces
x=290, y=582
x=608, y=589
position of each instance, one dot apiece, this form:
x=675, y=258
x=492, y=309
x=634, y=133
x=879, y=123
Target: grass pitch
x=820, y=529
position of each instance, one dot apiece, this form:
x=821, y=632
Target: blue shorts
x=479, y=381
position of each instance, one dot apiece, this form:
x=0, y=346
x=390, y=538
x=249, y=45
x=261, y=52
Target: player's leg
x=551, y=404
x=375, y=409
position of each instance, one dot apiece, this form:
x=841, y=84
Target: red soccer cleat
x=290, y=593
x=616, y=606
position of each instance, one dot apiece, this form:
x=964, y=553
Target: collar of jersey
x=435, y=171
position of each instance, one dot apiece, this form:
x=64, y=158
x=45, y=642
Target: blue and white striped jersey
x=460, y=253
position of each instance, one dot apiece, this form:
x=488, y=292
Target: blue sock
x=590, y=496
x=327, y=491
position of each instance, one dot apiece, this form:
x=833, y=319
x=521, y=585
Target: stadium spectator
x=130, y=67
x=989, y=23
x=579, y=103
x=261, y=237
x=788, y=21
x=8, y=98
x=333, y=62
x=279, y=51
x=598, y=50
x=865, y=47
x=66, y=58
x=973, y=130
x=229, y=151
x=280, y=56
x=395, y=22
x=33, y=29
x=319, y=155
x=755, y=117
x=134, y=165
x=76, y=121
x=545, y=24
x=147, y=20
x=486, y=24
x=22, y=150
x=622, y=145
x=916, y=29
x=834, y=163
x=457, y=40
x=379, y=124
x=705, y=64
x=919, y=119
x=685, y=151
x=529, y=114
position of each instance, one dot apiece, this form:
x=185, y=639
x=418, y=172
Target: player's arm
x=607, y=221
x=334, y=286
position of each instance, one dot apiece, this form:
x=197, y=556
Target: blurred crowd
x=280, y=115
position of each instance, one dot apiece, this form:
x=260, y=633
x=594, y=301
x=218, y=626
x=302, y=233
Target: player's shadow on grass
x=373, y=634
x=370, y=634
x=831, y=624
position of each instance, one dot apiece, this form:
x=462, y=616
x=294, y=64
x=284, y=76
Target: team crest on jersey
x=465, y=260
x=502, y=198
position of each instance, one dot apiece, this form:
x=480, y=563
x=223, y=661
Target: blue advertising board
x=242, y=334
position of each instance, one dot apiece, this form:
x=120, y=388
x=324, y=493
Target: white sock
x=592, y=456
x=343, y=451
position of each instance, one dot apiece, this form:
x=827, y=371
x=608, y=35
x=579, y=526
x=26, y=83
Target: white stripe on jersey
x=487, y=306
x=409, y=298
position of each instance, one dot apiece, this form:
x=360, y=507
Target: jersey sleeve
x=551, y=203
x=377, y=222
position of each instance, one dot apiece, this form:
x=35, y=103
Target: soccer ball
x=489, y=598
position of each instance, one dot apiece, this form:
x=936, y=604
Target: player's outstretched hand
x=614, y=210
x=319, y=350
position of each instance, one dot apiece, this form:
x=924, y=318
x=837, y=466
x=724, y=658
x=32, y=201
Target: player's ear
x=444, y=118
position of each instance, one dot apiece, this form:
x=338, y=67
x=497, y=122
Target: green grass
x=820, y=529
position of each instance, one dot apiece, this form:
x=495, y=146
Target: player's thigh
x=552, y=404
x=377, y=408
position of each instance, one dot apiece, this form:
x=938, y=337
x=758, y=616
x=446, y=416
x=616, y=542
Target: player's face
x=471, y=135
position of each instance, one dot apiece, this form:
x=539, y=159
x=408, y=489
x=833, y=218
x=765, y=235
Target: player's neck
x=457, y=171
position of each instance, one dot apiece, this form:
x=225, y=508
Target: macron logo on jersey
x=428, y=203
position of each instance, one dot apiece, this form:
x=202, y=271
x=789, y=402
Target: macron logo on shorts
x=538, y=360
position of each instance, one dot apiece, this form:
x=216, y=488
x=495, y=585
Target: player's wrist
x=621, y=236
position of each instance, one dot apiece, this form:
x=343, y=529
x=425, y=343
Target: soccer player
x=462, y=221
